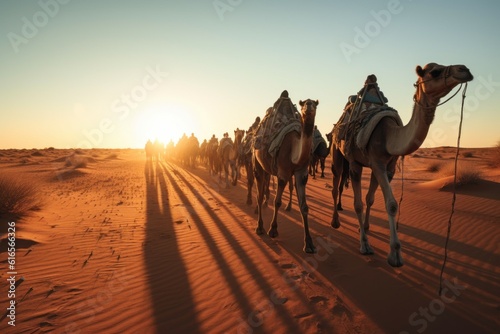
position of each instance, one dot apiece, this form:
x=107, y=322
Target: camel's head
x=437, y=80
x=308, y=107
x=238, y=135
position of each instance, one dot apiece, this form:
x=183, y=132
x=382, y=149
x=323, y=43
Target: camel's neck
x=404, y=140
x=302, y=153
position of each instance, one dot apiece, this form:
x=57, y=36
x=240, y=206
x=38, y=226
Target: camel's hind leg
x=337, y=171
x=322, y=166
x=356, y=171
x=300, y=187
x=290, y=188
x=250, y=181
x=234, y=173
x=266, y=192
x=260, y=176
x=226, y=173
x=273, y=230
x=370, y=198
x=343, y=182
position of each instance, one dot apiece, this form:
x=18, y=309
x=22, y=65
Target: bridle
x=445, y=74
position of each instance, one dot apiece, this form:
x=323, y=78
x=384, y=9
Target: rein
x=454, y=193
x=448, y=232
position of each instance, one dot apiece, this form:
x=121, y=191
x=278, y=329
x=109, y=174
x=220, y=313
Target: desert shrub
x=37, y=154
x=467, y=154
x=76, y=162
x=17, y=195
x=467, y=173
x=434, y=167
x=495, y=159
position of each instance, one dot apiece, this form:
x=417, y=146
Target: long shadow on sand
x=163, y=261
x=347, y=271
x=245, y=260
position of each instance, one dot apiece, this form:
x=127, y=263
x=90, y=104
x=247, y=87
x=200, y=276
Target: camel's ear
x=420, y=71
x=317, y=102
x=301, y=103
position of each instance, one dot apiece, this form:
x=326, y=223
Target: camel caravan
x=286, y=145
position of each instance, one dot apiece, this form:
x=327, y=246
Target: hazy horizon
x=85, y=74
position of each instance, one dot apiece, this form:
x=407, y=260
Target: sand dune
x=124, y=246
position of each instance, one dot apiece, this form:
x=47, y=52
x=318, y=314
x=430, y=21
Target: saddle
x=361, y=114
x=275, y=126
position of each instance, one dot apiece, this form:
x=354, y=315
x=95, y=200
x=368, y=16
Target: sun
x=164, y=124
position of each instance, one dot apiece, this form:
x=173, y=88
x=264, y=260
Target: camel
x=228, y=153
x=170, y=150
x=149, y=149
x=319, y=153
x=291, y=159
x=384, y=141
x=245, y=159
x=157, y=150
x=344, y=177
x=213, y=161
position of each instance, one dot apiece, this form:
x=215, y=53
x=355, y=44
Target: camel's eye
x=435, y=73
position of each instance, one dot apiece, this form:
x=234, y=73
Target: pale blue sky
x=85, y=75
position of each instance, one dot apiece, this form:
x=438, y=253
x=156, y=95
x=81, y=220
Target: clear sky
x=115, y=73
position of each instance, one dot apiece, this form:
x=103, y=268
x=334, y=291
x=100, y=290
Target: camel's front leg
x=356, y=171
x=300, y=187
x=273, y=229
x=394, y=257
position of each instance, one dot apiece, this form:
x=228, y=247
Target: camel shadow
x=163, y=261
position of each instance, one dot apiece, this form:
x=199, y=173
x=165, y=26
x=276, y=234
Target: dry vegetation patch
x=467, y=172
x=18, y=195
x=495, y=159
x=434, y=166
x=76, y=161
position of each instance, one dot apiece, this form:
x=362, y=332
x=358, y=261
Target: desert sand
x=119, y=245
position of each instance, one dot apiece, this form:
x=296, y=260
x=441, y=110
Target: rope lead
x=454, y=193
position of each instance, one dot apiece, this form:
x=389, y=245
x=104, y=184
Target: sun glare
x=164, y=124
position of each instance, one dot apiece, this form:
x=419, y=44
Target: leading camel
x=389, y=140
x=291, y=158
